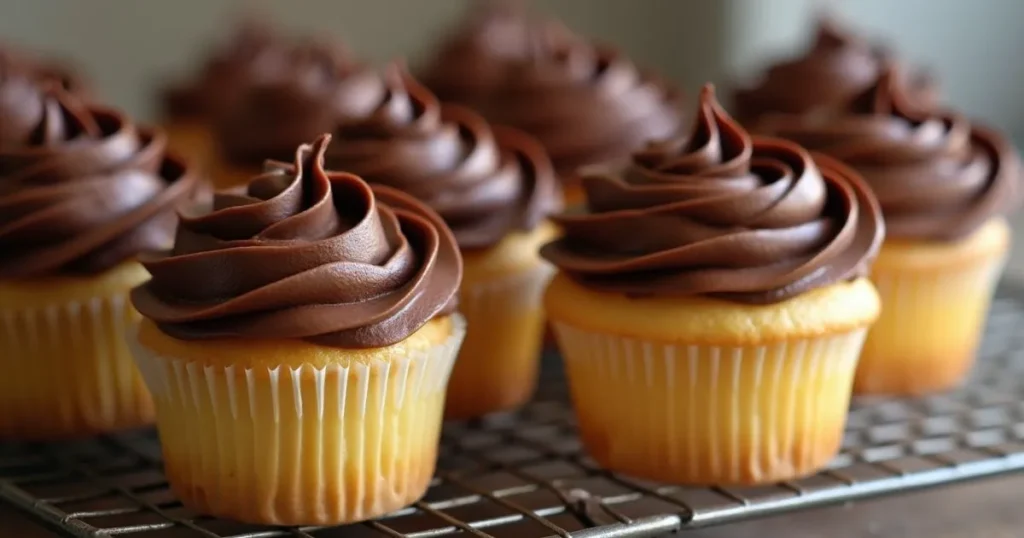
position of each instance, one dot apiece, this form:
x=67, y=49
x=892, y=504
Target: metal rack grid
x=523, y=475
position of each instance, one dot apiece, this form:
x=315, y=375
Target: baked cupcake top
x=937, y=176
x=301, y=253
x=585, y=103
x=838, y=66
x=251, y=53
x=82, y=188
x=311, y=88
x=484, y=181
x=720, y=214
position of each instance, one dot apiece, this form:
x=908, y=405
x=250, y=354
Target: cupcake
x=710, y=305
x=944, y=185
x=308, y=88
x=83, y=190
x=494, y=187
x=587, y=104
x=297, y=341
x=838, y=66
x=190, y=106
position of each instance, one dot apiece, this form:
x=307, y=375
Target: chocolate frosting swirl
x=720, y=214
x=315, y=86
x=302, y=253
x=249, y=55
x=838, y=66
x=472, y=62
x=82, y=189
x=936, y=176
x=43, y=71
x=484, y=182
x=586, y=104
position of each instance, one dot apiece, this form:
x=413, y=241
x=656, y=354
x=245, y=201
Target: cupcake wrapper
x=497, y=367
x=702, y=414
x=929, y=330
x=71, y=372
x=300, y=445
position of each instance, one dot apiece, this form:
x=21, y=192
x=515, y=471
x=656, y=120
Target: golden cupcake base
x=501, y=299
x=706, y=415
x=68, y=370
x=289, y=433
x=935, y=298
x=697, y=391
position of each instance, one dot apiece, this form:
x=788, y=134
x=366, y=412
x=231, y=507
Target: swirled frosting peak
x=484, y=181
x=838, y=66
x=81, y=188
x=587, y=104
x=720, y=214
x=937, y=176
x=472, y=62
x=252, y=51
x=301, y=253
x=313, y=87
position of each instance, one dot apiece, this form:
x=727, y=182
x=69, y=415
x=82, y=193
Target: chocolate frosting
x=315, y=86
x=251, y=53
x=472, y=62
x=936, y=176
x=485, y=182
x=304, y=254
x=720, y=214
x=838, y=66
x=585, y=103
x=43, y=71
x=82, y=189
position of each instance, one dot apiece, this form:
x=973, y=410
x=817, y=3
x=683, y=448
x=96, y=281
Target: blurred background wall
x=129, y=46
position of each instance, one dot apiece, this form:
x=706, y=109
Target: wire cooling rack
x=523, y=475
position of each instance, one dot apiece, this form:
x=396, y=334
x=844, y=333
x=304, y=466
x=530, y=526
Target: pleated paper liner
x=304, y=445
x=933, y=314
x=704, y=414
x=498, y=365
x=930, y=327
x=68, y=371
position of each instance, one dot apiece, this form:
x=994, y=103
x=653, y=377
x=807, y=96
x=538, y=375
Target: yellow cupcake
x=944, y=184
x=936, y=297
x=299, y=370
x=288, y=432
x=711, y=306
x=494, y=186
x=501, y=299
x=71, y=373
x=76, y=207
x=705, y=391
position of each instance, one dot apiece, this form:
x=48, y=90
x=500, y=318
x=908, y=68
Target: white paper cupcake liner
x=929, y=329
x=300, y=445
x=497, y=367
x=69, y=370
x=705, y=414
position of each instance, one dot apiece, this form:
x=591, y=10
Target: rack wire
x=524, y=474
